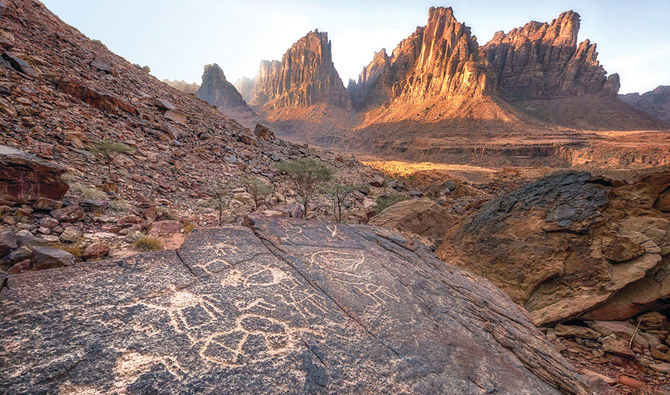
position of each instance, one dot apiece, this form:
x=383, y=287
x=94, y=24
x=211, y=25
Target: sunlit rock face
x=441, y=59
x=304, y=77
x=543, y=60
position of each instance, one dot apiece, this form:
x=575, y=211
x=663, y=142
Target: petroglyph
x=338, y=261
x=323, y=317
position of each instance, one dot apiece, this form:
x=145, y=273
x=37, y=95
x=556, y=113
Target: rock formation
x=422, y=217
x=282, y=306
x=246, y=88
x=217, y=91
x=543, y=60
x=573, y=245
x=441, y=59
x=305, y=76
x=656, y=102
x=25, y=178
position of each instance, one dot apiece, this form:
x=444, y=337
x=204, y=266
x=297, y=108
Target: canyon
x=532, y=96
x=490, y=218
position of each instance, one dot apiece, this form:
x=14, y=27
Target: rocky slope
x=288, y=306
x=656, y=102
x=543, y=60
x=61, y=93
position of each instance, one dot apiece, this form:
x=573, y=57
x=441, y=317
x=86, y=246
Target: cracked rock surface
x=283, y=306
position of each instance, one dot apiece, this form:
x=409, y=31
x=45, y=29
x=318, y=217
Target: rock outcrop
x=422, y=217
x=290, y=306
x=304, y=77
x=217, y=91
x=543, y=60
x=656, y=102
x=573, y=245
x=245, y=86
x=441, y=59
x=25, y=178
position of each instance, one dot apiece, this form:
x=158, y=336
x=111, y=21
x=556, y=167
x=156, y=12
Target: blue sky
x=177, y=38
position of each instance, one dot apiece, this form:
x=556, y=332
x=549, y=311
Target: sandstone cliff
x=217, y=91
x=441, y=59
x=245, y=86
x=656, y=102
x=543, y=60
x=304, y=77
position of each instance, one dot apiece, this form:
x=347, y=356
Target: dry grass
x=148, y=243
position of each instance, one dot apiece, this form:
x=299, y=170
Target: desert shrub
x=75, y=248
x=148, y=243
x=109, y=150
x=257, y=187
x=220, y=197
x=306, y=175
x=119, y=205
x=188, y=227
x=85, y=192
x=386, y=201
x=67, y=178
x=338, y=194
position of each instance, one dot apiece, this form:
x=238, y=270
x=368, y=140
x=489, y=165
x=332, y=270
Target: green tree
x=386, y=201
x=109, y=151
x=306, y=175
x=257, y=187
x=338, y=194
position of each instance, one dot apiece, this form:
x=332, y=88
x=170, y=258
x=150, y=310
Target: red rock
x=217, y=91
x=96, y=250
x=48, y=257
x=305, y=76
x=166, y=227
x=263, y=132
x=27, y=178
x=129, y=220
x=631, y=382
x=20, y=267
x=47, y=204
x=95, y=98
x=70, y=213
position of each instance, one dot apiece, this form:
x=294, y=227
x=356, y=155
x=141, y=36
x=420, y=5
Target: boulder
x=48, y=257
x=8, y=242
x=71, y=213
x=95, y=250
x=166, y=227
x=46, y=204
x=18, y=255
x=263, y=132
x=303, y=306
x=70, y=235
x=25, y=178
x=176, y=116
x=572, y=245
x=421, y=217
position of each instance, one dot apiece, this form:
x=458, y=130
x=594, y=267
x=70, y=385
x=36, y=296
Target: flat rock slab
x=284, y=306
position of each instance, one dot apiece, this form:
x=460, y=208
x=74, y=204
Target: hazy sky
x=176, y=38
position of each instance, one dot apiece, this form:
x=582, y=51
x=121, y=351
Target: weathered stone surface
x=48, y=257
x=95, y=98
x=543, y=60
x=422, y=217
x=96, y=250
x=166, y=227
x=26, y=178
x=7, y=242
x=553, y=245
x=288, y=309
x=245, y=86
x=71, y=213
